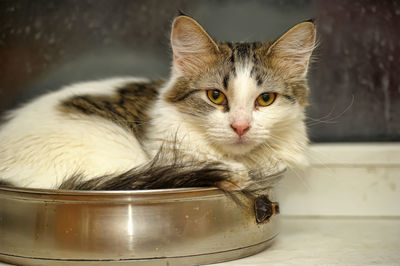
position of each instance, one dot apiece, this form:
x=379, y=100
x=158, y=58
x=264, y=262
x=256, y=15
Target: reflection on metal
x=129, y=225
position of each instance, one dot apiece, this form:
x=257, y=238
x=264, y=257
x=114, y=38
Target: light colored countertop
x=331, y=241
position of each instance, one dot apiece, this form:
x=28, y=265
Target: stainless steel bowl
x=153, y=227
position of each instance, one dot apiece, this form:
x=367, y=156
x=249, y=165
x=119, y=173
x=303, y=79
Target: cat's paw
x=239, y=178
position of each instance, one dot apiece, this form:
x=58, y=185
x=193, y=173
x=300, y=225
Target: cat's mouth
x=239, y=145
x=241, y=141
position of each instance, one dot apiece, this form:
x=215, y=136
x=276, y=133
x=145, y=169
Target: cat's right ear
x=192, y=47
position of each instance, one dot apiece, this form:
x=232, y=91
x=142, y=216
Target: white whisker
x=330, y=120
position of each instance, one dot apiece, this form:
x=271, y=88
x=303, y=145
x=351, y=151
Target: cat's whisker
x=318, y=157
x=269, y=147
x=331, y=120
x=282, y=128
x=325, y=116
x=301, y=176
x=277, y=138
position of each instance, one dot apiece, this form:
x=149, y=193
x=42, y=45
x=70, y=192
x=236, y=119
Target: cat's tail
x=165, y=170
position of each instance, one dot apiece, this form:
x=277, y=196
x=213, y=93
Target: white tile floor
x=331, y=241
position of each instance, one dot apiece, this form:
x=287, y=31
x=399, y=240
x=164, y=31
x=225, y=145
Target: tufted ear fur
x=292, y=51
x=192, y=47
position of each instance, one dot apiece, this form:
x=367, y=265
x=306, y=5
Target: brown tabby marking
x=127, y=107
x=182, y=97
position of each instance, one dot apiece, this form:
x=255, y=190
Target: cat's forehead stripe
x=232, y=57
x=225, y=81
x=233, y=71
x=243, y=54
x=242, y=51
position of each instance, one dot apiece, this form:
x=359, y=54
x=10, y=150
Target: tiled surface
x=332, y=241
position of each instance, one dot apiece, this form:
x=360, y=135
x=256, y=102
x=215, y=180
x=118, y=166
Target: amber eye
x=266, y=99
x=216, y=96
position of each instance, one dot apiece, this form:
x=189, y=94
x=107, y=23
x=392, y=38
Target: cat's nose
x=240, y=129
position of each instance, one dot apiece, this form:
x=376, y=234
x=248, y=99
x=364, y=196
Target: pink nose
x=240, y=129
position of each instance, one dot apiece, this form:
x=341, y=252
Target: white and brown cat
x=228, y=111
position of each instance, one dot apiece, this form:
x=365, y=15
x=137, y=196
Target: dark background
x=355, y=79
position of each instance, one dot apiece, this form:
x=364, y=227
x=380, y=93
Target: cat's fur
x=117, y=128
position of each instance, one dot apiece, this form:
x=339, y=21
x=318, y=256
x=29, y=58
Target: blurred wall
x=45, y=44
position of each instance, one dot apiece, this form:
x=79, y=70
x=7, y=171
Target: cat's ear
x=192, y=47
x=292, y=51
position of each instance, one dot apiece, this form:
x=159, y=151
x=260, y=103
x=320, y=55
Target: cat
x=229, y=113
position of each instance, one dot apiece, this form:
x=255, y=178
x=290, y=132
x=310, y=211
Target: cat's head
x=243, y=96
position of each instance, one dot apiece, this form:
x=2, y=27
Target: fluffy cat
x=228, y=113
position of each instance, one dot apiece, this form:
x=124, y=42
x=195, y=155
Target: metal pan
x=150, y=227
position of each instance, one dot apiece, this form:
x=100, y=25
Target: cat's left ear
x=292, y=51
x=192, y=47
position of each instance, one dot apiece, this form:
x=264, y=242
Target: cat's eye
x=266, y=99
x=216, y=96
